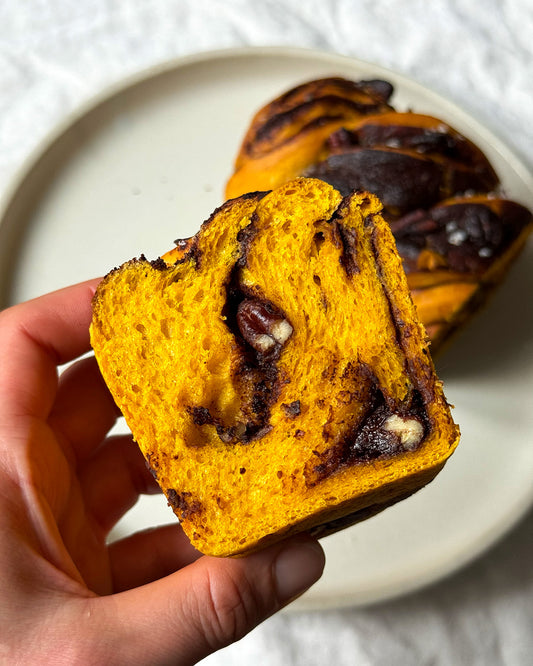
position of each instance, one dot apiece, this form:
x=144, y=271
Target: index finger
x=36, y=337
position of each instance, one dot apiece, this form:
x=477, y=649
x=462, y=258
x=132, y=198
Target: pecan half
x=262, y=326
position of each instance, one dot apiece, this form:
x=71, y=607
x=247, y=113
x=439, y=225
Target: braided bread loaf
x=455, y=235
x=273, y=371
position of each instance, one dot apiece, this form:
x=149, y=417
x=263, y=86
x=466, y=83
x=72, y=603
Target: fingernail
x=297, y=567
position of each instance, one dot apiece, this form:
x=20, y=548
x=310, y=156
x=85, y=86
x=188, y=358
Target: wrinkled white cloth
x=56, y=54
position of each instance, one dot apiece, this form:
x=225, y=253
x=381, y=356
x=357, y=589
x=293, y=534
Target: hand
x=66, y=596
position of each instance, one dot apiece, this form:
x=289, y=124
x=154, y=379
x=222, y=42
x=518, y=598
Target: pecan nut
x=262, y=326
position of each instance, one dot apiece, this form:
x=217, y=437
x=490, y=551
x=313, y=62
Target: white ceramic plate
x=146, y=163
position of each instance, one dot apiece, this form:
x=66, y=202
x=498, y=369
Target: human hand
x=66, y=596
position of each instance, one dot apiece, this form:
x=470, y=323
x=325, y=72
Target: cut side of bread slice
x=273, y=371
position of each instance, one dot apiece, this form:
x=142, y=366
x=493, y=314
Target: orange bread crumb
x=273, y=370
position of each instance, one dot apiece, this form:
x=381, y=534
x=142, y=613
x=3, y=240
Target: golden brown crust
x=311, y=105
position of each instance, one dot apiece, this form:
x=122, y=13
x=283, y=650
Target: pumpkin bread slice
x=273, y=371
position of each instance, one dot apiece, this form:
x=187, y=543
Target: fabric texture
x=56, y=54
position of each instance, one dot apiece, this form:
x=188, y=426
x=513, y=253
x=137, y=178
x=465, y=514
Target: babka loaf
x=420, y=168
x=273, y=371
x=319, y=103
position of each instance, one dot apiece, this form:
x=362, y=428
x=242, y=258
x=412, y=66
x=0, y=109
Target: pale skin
x=66, y=597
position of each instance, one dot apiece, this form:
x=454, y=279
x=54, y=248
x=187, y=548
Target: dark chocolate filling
x=468, y=236
x=370, y=440
x=183, y=503
x=247, y=316
x=348, y=237
x=401, y=181
x=406, y=167
x=422, y=140
x=292, y=409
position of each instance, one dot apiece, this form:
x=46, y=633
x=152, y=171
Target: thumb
x=209, y=604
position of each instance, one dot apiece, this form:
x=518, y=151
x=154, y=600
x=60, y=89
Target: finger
x=199, y=609
x=84, y=410
x=35, y=337
x=112, y=480
x=149, y=555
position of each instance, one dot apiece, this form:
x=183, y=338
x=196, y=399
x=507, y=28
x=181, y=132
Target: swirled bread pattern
x=272, y=369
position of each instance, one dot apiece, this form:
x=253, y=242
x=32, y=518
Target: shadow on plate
x=499, y=338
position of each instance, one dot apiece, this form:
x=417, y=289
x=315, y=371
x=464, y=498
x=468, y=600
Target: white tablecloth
x=479, y=53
